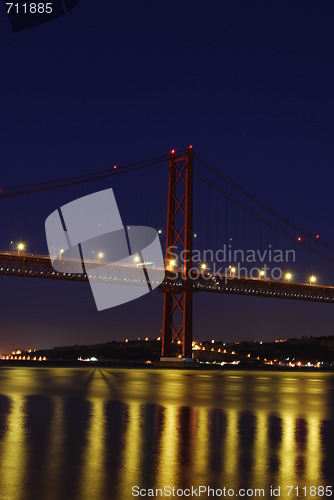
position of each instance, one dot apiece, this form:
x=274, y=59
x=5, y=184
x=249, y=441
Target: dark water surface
x=93, y=433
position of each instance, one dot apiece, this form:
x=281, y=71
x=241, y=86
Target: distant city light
x=299, y=238
x=86, y=360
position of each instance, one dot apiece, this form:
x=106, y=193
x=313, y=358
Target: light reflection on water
x=93, y=433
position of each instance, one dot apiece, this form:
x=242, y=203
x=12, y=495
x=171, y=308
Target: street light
x=261, y=274
x=232, y=270
x=172, y=264
x=100, y=255
x=136, y=259
x=20, y=247
x=313, y=279
x=203, y=266
x=288, y=276
x=61, y=253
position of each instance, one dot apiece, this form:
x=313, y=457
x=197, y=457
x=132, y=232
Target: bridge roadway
x=39, y=266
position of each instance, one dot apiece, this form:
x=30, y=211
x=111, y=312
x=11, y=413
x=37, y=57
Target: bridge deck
x=39, y=266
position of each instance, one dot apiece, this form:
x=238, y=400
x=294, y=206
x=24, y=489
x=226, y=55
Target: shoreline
x=151, y=366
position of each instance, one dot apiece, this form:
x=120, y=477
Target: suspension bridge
x=234, y=242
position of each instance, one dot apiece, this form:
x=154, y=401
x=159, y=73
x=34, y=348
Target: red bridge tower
x=178, y=304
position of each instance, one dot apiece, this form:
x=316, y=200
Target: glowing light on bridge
x=313, y=279
x=232, y=271
x=288, y=276
x=20, y=248
x=172, y=264
x=203, y=266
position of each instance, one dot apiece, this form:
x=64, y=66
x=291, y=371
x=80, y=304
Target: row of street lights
x=288, y=276
x=172, y=263
x=21, y=246
x=232, y=270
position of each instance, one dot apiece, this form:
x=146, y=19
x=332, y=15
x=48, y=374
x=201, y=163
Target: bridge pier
x=178, y=305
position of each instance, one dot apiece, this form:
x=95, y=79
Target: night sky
x=248, y=83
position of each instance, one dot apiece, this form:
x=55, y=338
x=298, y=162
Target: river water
x=95, y=433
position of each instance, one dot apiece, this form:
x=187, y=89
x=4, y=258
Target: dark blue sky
x=249, y=84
